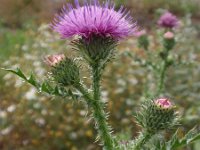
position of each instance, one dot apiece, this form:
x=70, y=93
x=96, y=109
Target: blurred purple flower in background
x=168, y=20
x=94, y=19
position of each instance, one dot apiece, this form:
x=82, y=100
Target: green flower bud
x=170, y=60
x=169, y=41
x=64, y=70
x=143, y=41
x=157, y=115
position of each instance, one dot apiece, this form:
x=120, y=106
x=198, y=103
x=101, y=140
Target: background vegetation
x=30, y=120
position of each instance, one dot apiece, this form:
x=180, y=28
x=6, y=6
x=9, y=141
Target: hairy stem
x=98, y=112
x=88, y=98
x=97, y=106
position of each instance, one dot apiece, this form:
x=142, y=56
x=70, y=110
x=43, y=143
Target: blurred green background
x=30, y=120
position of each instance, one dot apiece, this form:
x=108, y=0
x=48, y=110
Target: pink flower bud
x=163, y=102
x=169, y=35
x=52, y=60
x=140, y=33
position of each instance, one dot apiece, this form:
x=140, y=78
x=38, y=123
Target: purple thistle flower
x=94, y=19
x=168, y=20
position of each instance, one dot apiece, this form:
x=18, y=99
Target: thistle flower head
x=52, y=60
x=94, y=19
x=168, y=20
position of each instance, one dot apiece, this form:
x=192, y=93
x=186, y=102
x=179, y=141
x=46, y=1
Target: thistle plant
x=99, y=28
x=160, y=60
x=168, y=44
x=167, y=21
x=96, y=30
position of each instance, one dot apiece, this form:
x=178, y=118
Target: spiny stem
x=98, y=112
x=96, y=82
x=97, y=109
x=88, y=98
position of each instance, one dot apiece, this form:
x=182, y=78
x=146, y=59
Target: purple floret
x=168, y=20
x=94, y=19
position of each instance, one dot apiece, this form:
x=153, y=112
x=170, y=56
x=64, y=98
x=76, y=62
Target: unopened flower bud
x=143, y=41
x=170, y=60
x=64, y=70
x=169, y=40
x=52, y=60
x=157, y=115
x=169, y=35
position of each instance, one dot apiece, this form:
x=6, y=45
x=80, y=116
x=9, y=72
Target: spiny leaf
x=189, y=138
x=45, y=86
x=71, y=94
x=56, y=91
x=139, y=119
x=174, y=141
x=33, y=81
x=195, y=138
x=17, y=72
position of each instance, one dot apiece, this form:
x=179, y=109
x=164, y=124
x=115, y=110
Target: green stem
x=86, y=95
x=141, y=140
x=96, y=83
x=162, y=74
x=162, y=78
x=97, y=109
x=98, y=112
